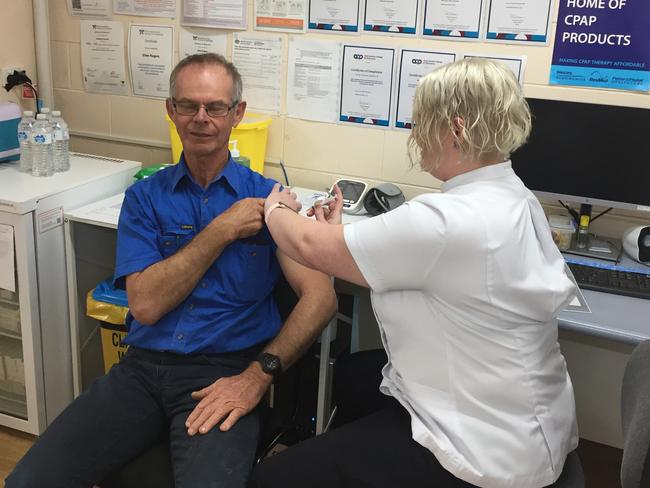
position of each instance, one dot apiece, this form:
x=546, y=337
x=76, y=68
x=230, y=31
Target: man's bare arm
x=164, y=285
x=231, y=398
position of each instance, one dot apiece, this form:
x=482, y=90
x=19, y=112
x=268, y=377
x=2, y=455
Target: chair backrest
x=635, y=416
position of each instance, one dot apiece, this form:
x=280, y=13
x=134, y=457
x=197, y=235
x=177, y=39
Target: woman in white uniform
x=466, y=285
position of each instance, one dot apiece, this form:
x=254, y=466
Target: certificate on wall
x=334, y=15
x=213, y=13
x=280, y=15
x=201, y=42
x=413, y=66
x=517, y=64
x=259, y=60
x=146, y=8
x=150, y=59
x=102, y=57
x=366, y=85
x=520, y=21
x=392, y=16
x=452, y=19
x=89, y=8
x=313, y=80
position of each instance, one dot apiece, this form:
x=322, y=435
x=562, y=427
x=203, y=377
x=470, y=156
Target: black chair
x=153, y=468
x=635, y=416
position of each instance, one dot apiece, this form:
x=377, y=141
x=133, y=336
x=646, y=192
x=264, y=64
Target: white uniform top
x=466, y=286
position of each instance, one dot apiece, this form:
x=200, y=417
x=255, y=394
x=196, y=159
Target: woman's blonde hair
x=485, y=95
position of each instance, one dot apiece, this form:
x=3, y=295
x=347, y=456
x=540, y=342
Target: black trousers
x=370, y=447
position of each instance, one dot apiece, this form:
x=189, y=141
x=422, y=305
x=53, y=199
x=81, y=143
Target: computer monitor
x=587, y=153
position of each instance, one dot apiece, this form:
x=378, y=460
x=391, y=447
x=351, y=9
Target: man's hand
x=245, y=217
x=228, y=398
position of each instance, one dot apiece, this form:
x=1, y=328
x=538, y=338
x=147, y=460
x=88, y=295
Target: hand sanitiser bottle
x=42, y=164
x=24, y=139
x=243, y=160
x=61, y=136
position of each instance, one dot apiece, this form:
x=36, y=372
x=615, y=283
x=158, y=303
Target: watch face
x=270, y=363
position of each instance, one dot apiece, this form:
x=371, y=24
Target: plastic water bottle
x=61, y=136
x=24, y=138
x=42, y=147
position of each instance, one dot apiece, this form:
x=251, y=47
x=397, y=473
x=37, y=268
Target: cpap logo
x=598, y=77
x=358, y=56
x=416, y=61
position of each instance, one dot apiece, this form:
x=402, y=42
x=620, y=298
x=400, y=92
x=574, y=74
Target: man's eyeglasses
x=214, y=109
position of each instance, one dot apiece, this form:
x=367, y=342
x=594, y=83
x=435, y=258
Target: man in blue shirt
x=205, y=335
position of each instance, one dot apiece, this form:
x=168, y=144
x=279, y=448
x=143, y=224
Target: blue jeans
x=141, y=399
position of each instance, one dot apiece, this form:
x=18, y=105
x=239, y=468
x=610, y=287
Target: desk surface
x=613, y=317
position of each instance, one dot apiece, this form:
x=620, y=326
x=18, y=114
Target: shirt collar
x=489, y=172
x=229, y=174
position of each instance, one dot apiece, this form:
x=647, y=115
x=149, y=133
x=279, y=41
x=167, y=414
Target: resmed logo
x=357, y=56
x=598, y=77
x=416, y=61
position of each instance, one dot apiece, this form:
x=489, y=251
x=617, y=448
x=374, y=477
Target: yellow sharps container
x=251, y=136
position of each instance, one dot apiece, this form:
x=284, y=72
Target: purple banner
x=602, y=44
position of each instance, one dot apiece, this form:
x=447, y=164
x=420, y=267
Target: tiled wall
x=314, y=153
x=17, y=45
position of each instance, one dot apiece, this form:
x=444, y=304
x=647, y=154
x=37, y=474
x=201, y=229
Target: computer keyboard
x=611, y=279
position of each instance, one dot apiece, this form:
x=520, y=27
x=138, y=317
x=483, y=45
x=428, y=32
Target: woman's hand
x=285, y=197
x=329, y=213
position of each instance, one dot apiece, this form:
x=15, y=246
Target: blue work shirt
x=232, y=307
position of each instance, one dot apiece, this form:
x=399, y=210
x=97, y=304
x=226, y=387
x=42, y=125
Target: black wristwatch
x=270, y=363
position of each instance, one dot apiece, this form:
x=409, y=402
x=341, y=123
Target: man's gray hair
x=209, y=59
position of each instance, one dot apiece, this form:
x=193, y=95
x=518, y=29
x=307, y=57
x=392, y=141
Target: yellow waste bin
x=109, y=306
x=251, y=135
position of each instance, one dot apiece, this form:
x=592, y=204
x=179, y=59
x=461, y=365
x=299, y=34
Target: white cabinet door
x=21, y=375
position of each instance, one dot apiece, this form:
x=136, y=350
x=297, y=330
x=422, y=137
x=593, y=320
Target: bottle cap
x=56, y=113
x=28, y=113
x=41, y=117
x=234, y=153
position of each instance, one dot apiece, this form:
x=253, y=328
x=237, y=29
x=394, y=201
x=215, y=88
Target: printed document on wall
x=146, y=8
x=455, y=20
x=521, y=21
x=280, y=15
x=313, y=80
x=7, y=269
x=366, y=85
x=259, y=60
x=213, y=13
x=517, y=64
x=150, y=59
x=413, y=66
x=89, y=8
x=201, y=42
x=391, y=16
x=102, y=57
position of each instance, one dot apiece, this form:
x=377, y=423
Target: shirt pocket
x=254, y=278
x=174, y=238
